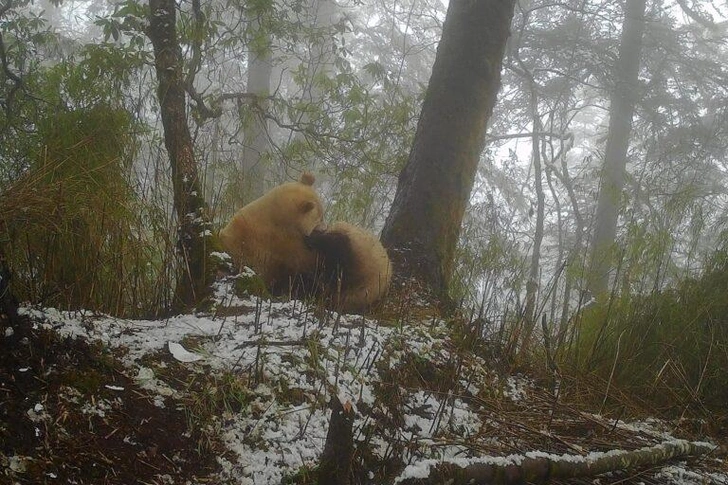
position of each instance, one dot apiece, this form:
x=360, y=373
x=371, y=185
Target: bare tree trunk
x=530, y=317
x=193, y=283
x=324, y=15
x=575, y=251
x=320, y=62
x=8, y=303
x=434, y=187
x=260, y=68
x=621, y=111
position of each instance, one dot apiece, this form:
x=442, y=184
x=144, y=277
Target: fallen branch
x=271, y=343
x=539, y=467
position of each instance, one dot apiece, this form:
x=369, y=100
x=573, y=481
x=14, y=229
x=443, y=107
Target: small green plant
x=209, y=396
x=248, y=283
x=306, y=475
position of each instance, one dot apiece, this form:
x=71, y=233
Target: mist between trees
x=593, y=203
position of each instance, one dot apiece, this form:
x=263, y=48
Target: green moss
x=87, y=381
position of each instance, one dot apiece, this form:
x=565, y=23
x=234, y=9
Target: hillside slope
x=239, y=396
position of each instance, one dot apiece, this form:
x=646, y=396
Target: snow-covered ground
x=295, y=359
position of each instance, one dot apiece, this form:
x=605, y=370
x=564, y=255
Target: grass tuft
x=669, y=348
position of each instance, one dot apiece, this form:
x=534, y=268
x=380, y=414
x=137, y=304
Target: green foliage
x=69, y=220
x=357, y=135
x=128, y=21
x=490, y=265
x=671, y=343
x=76, y=234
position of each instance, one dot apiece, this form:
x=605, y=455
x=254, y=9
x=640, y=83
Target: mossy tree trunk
x=621, y=109
x=543, y=469
x=194, y=276
x=423, y=226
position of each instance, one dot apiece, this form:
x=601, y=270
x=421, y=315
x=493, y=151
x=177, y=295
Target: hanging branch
x=202, y=109
x=541, y=134
x=539, y=467
x=695, y=14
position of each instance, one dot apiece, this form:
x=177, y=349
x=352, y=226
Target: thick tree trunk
x=193, y=283
x=621, y=111
x=423, y=226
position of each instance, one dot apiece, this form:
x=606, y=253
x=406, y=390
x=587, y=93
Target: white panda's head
x=299, y=207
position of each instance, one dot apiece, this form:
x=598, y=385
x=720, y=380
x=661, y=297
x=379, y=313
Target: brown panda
x=353, y=264
x=268, y=235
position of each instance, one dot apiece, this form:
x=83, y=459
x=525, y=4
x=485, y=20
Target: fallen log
x=539, y=467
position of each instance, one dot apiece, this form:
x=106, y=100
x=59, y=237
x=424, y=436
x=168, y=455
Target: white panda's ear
x=307, y=178
x=306, y=206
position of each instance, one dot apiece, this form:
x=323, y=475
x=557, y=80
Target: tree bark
x=255, y=135
x=532, y=285
x=433, y=190
x=320, y=61
x=621, y=110
x=194, y=277
x=575, y=252
x=8, y=303
x=336, y=461
x=535, y=469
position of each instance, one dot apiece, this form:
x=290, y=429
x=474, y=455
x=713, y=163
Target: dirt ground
x=69, y=414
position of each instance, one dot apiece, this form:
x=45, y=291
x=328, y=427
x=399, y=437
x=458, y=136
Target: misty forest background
x=594, y=237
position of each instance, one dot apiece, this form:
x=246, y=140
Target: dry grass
x=75, y=232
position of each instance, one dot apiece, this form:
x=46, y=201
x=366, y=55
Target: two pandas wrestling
x=283, y=238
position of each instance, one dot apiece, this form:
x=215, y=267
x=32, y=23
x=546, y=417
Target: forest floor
x=238, y=396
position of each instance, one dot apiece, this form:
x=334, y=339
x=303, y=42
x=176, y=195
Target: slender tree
x=193, y=227
x=423, y=226
x=321, y=56
x=623, y=100
x=534, y=271
x=260, y=69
